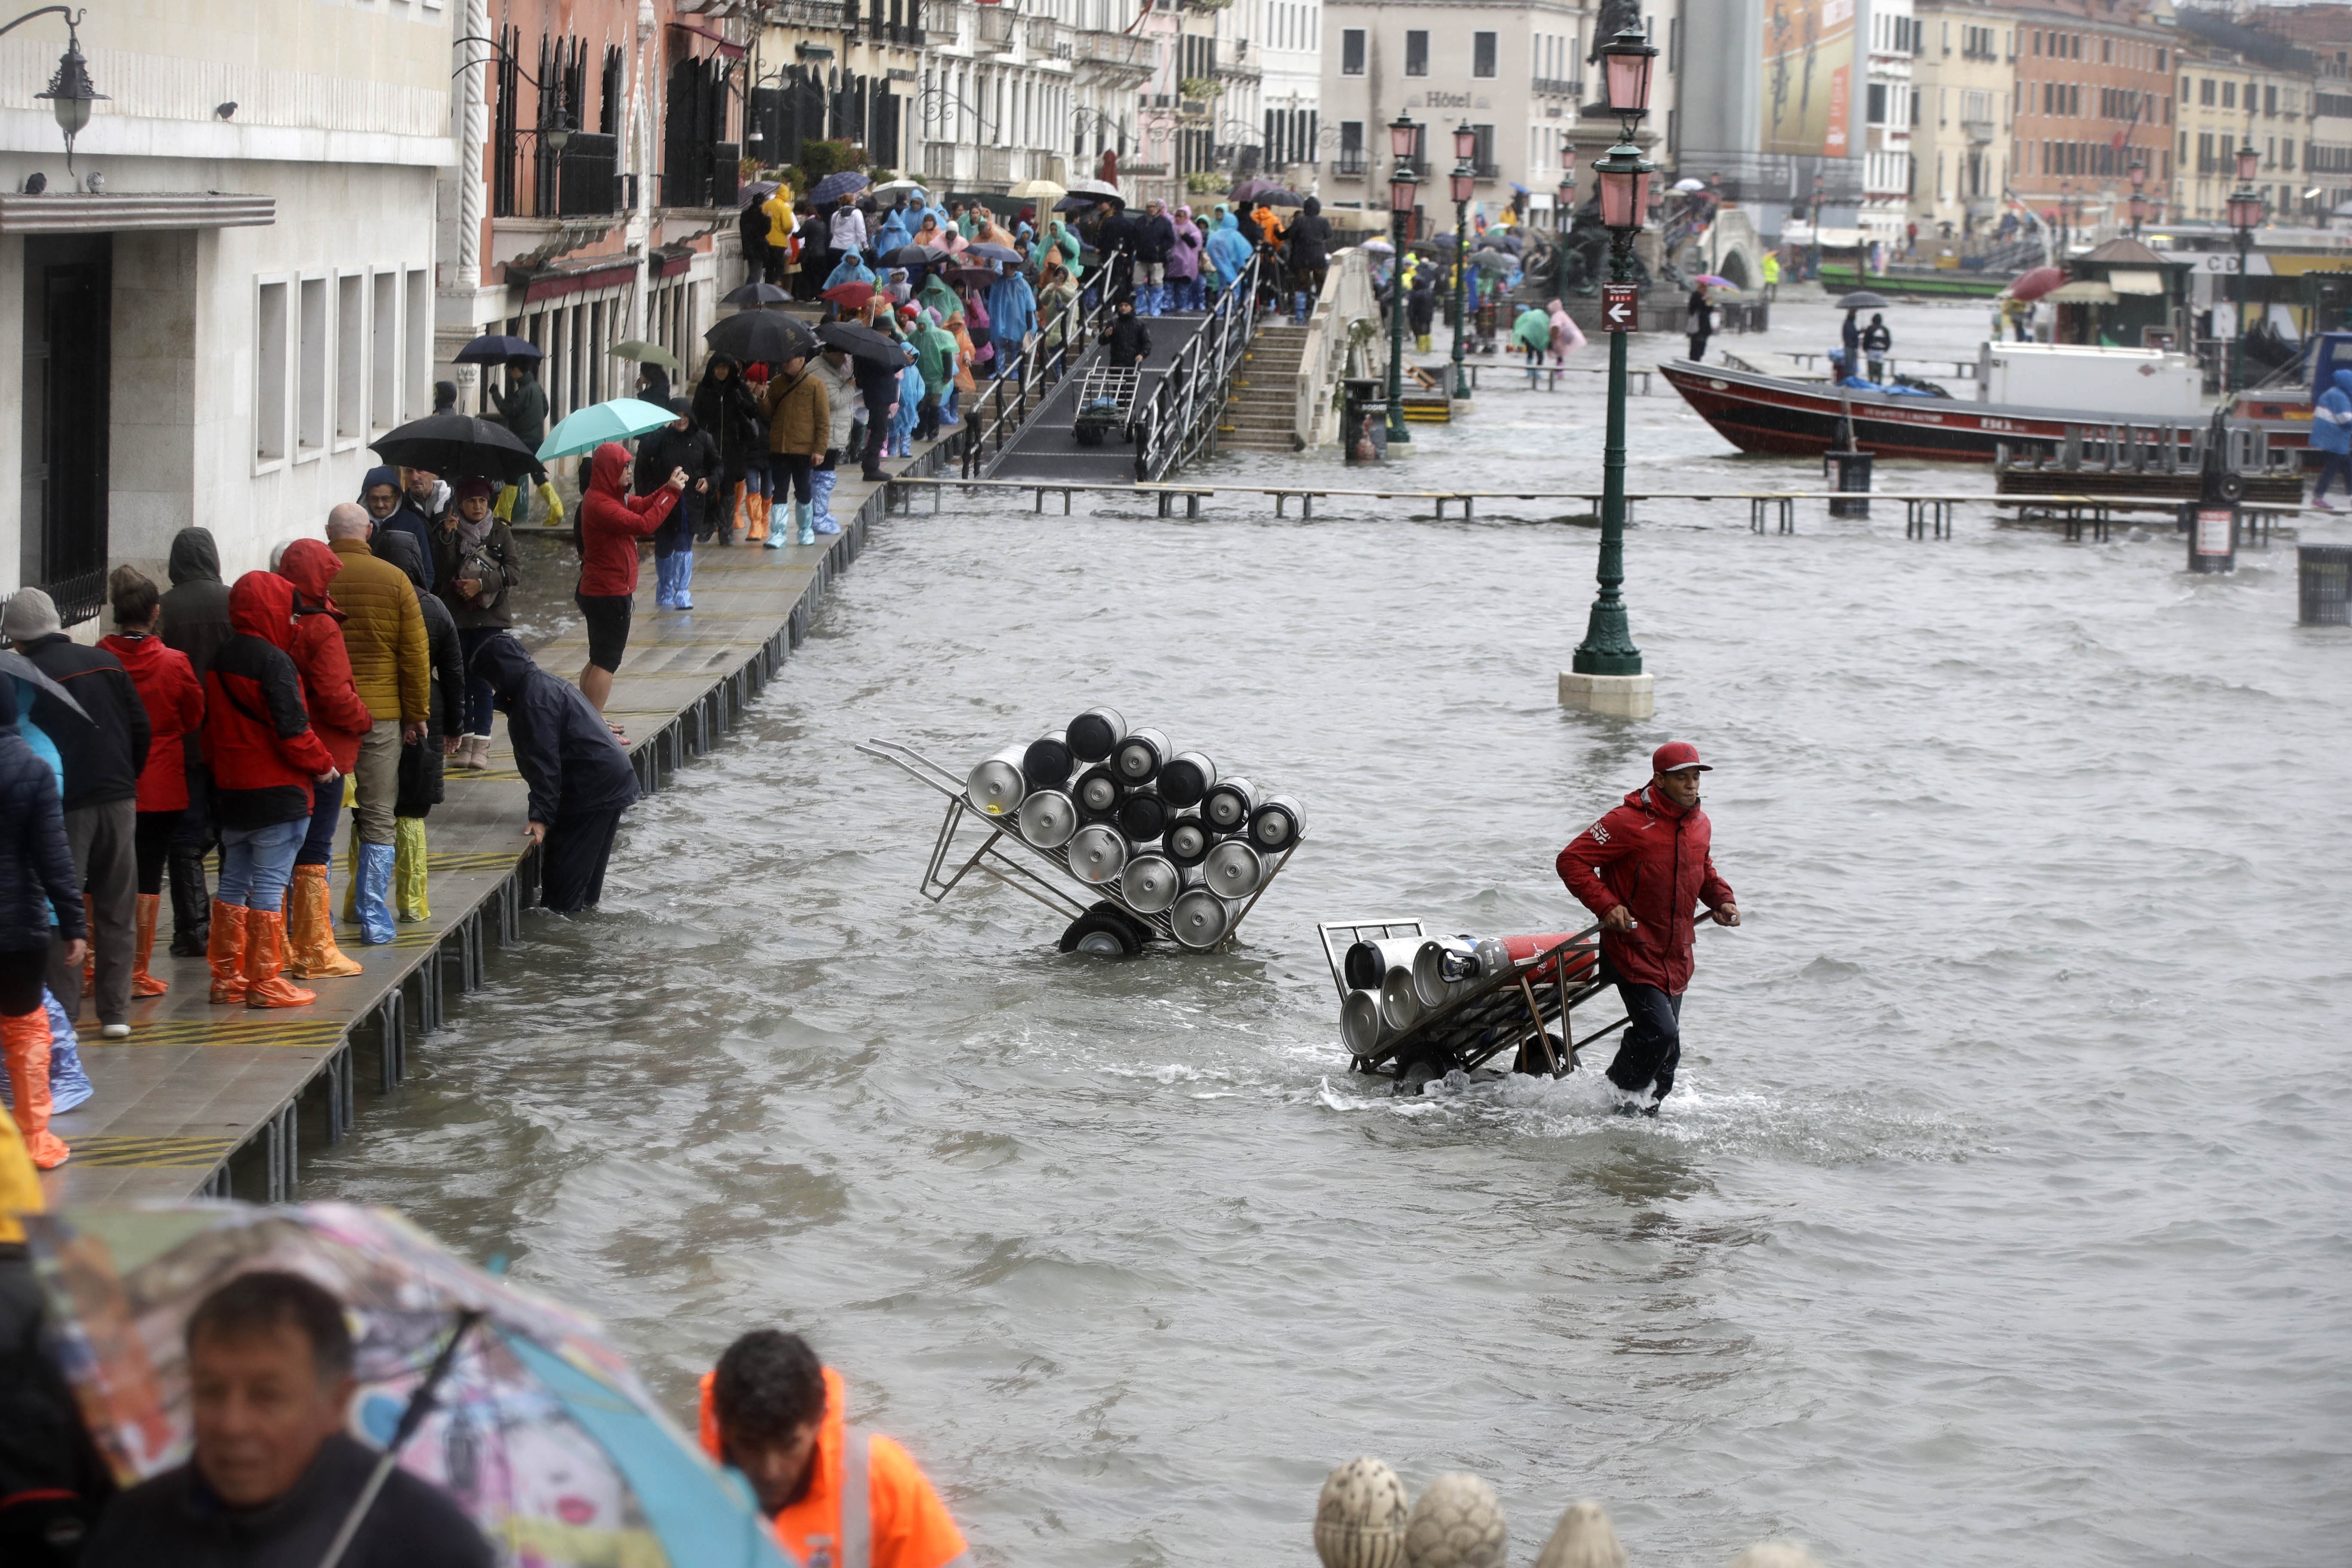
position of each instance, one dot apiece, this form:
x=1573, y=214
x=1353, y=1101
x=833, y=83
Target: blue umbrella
x=832, y=187
x=995, y=252
x=591, y=427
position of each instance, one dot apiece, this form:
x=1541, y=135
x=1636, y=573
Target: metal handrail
x=1182, y=419
x=1034, y=376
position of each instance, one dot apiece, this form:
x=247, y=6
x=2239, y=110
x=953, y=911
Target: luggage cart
x=1110, y=927
x=1107, y=404
x=1514, y=1011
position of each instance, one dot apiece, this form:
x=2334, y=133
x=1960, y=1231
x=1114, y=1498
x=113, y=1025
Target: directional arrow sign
x=1619, y=307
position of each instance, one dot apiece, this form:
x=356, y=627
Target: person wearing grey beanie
x=104, y=750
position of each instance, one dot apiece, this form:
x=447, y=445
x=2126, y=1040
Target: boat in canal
x=1797, y=416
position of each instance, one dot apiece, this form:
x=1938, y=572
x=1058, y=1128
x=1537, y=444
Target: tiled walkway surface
x=222, y=1098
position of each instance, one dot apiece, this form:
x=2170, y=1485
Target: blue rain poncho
x=1012, y=308
x=1229, y=250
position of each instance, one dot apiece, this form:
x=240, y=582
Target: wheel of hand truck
x=1104, y=931
x=1418, y=1073
x=2229, y=487
x=1559, y=1055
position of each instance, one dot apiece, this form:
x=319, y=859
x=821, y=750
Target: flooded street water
x=2002, y=1199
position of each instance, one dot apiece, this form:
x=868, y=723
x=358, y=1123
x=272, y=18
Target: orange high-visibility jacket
x=894, y=1521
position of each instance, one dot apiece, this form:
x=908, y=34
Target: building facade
x=228, y=291
x=599, y=145
x=1513, y=73
x=1889, y=114
x=1291, y=91
x=1965, y=77
x=2094, y=96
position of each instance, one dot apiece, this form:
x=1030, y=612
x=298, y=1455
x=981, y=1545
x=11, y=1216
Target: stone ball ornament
x=1456, y=1523
x=1583, y=1539
x=1360, y=1520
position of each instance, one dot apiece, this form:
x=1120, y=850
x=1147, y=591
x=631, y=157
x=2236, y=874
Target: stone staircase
x=1262, y=406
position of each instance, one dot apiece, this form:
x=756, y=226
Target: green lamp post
x=2245, y=216
x=1624, y=177
x=1465, y=185
x=1403, y=185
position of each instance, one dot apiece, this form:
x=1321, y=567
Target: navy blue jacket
x=104, y=753
x=36, y=873
x=563, y=749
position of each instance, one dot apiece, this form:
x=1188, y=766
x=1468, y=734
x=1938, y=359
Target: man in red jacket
x=611, y=520
x=1641, y=869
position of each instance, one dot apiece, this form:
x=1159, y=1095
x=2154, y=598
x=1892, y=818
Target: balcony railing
x=826, y=15
x=1230, y=61
x=1980, y=132
x=1048, y=37
x=1487, y=169
x=1121, y=51
x=1350, y=164
x=1554, y=87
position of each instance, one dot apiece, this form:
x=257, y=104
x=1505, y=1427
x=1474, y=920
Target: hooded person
x=37, y=887
x=1184, y=262
x=341, y=720
x=420, y=760
x=579, y=778
x=1229, y=252
x=475, y=570
x=389, y=510
x=1420, y=304
x=104, y=747
x=1567, y=337
x=751, y=234
x=174, y=700
x=1309, y=239
x=935, y=295
x=195, y=623
x=1012, y=317
x=265, y=760
x=783, y=251
x=935, y=358
x=1055, y=239
x=726, y=411
x=2331, y=438
x=850, y=269
x=893, y=233
x=1531, y=330
x=661, y=453
x=611, y=522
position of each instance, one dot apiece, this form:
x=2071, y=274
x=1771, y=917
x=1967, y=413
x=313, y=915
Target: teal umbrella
x=591, y=427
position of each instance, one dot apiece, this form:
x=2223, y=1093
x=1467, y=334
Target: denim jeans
x=326, y=816
x=480, y=698
x=257, y=862
x=2333, y=466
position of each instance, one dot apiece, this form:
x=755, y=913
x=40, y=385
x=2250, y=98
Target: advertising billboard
x=1808, y=88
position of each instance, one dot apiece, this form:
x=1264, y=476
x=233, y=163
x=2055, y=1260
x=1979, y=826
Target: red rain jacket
x=1651, y=855
x=329, y=690
x=611, y=520
x=258, y=735
x=174, y=700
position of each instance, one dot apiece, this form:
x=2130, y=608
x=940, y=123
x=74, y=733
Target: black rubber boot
x=190, y=906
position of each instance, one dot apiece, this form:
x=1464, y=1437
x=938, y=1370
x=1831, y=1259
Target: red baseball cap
x=1674, y=756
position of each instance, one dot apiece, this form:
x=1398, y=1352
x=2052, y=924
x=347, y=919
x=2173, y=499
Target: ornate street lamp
x=1624, y=179
x=69, y=93
x=1404, y=136
x=2245, y=216
x=1465, y=185
x=1567, y=187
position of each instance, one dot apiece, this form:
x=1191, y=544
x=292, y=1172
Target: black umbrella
x=917, y=255
x=862, y=343
x=1075, y=203
x=769, y=336
x=1864, y=299
x=456, y=446
x=834, y=187
x=16, y=666
x=495, y=348
x=755, y=294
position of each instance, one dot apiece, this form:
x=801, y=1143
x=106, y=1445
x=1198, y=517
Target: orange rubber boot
x=226, y=954
x=757, y=527
x=311, y=949
x=89, y=959
x=142, y=982
x=25, y=1041
x=264, y=951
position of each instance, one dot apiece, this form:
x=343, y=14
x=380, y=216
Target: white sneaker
x=115, y=1032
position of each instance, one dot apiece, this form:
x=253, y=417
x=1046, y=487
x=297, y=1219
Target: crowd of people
x=244, y=721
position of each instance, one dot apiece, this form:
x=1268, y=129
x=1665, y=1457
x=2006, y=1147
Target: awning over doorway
x=76, y=212
x=2134, y=280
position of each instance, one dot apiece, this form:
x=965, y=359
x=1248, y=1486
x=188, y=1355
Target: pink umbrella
x=2034, y=284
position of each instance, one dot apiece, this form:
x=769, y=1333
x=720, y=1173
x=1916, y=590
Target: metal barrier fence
x=1033, y=377
x=1191, y=397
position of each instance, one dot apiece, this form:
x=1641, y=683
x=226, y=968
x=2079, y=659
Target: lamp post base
x=1618, y=696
